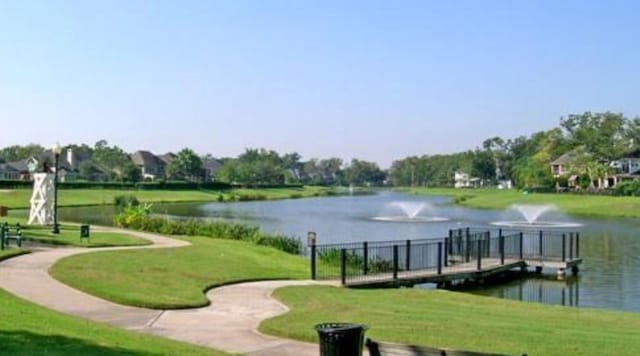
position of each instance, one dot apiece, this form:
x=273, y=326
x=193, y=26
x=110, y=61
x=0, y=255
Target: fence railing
x=361, y=260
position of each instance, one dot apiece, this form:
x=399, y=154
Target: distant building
x=463, y=180
x=211, y=167
x=151, y=166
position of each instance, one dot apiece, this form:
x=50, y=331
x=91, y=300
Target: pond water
x=610, y=249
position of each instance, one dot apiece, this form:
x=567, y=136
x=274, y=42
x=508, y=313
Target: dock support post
x=467, y=247
x=365, y=257
x=408, y=256
x=447, y=243
x=541, y=251
x=479, y=254
x=501, y=243
x=564, y=248
x=521, y=238
x=577, y=245
x=343, y=266
x=440, y=257
x=395, y=262
x=488, y=243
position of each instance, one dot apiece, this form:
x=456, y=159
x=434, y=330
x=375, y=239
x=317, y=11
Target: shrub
x=139, y=218
x=125, y=200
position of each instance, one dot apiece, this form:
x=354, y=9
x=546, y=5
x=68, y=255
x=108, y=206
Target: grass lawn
x=176, y=277
x=19, y=198
x=11, y=252
x=458, y=320
x=583, y=205
x=70, y=235
x=28, y=329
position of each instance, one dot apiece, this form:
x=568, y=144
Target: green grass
x=11, y=252
x=176, y=277
x=460, y=321
x=70, y=235
x=19, y=198
x=575, y=204
x=28, y=329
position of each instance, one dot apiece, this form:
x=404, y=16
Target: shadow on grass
x=27, y=343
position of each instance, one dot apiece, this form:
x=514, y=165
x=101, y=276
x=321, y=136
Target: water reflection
x=538, y=290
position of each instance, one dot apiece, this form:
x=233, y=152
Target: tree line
x=594, y=138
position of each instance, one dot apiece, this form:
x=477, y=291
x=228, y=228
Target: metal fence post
x=577, y=246
x=540, y=243
x=570, y=246
x=479, y=254
x=365, y=257
x=488, y=244
x=395, y=261
x=408, y=256
x=521, y=245
x=343, y=266
x=447, y=243
x=501, y=243
x=440, y=256
x=313, y=262
x=564, y=248
x=467, y=245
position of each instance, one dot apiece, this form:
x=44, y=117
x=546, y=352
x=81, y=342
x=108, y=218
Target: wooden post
x=343, y=266
x=447, y=243
x=440, y=256
x=365, y=257
x=521, y=245
x=395, y=262
x=313, y=262
x=408, y=256
x=479, y=254
x=564, y=247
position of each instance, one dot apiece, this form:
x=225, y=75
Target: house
x=463, y=180
x=151, y=166
x=211, y=166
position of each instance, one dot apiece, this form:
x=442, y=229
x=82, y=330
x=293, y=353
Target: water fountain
x=531, y=215
x=412, y=213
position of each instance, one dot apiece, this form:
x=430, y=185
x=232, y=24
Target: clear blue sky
x=378, y=80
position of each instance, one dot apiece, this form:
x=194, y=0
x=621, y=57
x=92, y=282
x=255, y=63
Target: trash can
x=84, y=232
x=4, y=211
x=341, y=339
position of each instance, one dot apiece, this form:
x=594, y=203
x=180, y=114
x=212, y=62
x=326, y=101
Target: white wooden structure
x=42, y=199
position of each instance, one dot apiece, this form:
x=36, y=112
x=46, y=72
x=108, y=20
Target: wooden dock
x=465, y=255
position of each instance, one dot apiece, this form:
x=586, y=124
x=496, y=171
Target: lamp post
x=57, y=149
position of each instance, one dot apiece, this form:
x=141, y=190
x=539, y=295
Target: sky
x=375, y=80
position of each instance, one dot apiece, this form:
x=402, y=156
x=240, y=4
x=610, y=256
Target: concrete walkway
x=228, y=324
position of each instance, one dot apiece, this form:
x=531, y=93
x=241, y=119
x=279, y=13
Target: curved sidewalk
x=228, y=324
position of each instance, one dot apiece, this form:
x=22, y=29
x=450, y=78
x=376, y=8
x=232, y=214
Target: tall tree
x=187, y=165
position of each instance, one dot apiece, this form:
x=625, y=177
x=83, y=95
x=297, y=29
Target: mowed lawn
x=30, y=330
x=175, y=277
x=457, y=320
x=19, y=198
x=575, y=204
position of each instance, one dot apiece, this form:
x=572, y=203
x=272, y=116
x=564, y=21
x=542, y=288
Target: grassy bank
x=457, y=320
x=28, y=329
x=11, y=252
x=582, y=205
x=19, y=198
x=70, y=235
x=177, y=277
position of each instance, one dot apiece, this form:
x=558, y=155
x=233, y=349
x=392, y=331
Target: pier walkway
x=466, y=254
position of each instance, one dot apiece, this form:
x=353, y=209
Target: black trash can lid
x=336, y=327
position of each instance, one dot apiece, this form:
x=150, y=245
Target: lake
x=610, y=248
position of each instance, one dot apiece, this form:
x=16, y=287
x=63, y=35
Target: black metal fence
x=360, y=260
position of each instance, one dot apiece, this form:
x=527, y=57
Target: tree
x=16, y=153
x=112, y=160
x=187, y=165
x=364, y=173
x=483, y=166
x=605, y=135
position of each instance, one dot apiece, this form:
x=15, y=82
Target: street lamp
x=57, y=149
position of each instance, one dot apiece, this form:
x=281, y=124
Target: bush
x=125, y=201
x=631, y=188
x=139, y=218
